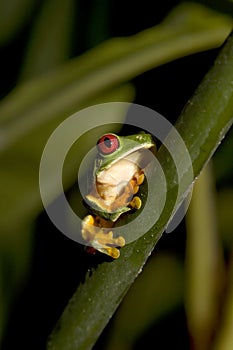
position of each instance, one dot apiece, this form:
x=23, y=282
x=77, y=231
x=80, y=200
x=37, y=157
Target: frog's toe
x=140, y=179
x=88, y=228
x=111, y=251
x=136, y=203
x=135, y=189
x=120, y=241
x=137, y=181
x=88, y=220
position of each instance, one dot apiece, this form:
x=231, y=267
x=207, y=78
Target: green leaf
x=224, y=339
x=147, y=301
x=224, y=206
x=204, y=122
x=49, y=48
x=13, y=15
x=204, y=262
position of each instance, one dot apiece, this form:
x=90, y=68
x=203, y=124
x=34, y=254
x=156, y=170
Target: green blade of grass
x=13, y=15
x=49, y=48
x=204, y=122
x=147, y=301
x=204, y=263
x=224, y=339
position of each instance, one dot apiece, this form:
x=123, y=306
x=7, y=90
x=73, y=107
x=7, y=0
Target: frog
x=115, y=179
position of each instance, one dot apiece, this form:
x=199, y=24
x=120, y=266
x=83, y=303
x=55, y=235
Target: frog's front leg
x=137, y=180
x=99, y=239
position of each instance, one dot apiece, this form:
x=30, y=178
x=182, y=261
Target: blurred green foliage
x=50, y=83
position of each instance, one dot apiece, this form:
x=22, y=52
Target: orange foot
x=99, y=239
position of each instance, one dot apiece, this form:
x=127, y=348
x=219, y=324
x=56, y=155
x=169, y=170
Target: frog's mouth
x=139, y=154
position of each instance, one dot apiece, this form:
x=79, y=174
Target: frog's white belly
x=112, y=182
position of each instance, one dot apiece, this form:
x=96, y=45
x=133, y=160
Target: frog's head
x=117, y=173
x=112, y=148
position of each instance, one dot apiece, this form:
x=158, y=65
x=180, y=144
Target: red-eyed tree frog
x=117, y=175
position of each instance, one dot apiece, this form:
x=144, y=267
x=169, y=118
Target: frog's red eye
x=108, y=144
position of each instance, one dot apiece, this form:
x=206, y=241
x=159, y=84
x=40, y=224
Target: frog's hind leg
x=95, y=234
x=136, y=203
